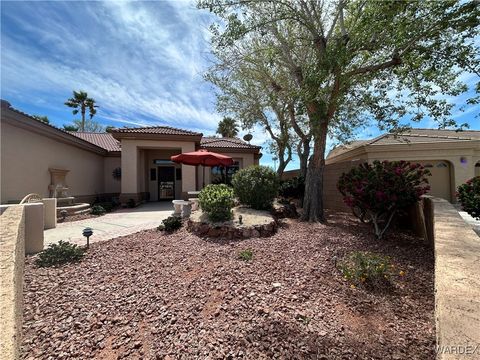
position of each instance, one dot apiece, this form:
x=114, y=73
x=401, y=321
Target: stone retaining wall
x=12, y=258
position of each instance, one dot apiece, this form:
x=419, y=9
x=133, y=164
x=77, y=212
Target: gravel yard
x=155, y=296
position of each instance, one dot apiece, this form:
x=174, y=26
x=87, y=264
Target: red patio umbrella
x=203, y=157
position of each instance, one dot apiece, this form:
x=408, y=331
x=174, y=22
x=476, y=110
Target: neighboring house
x=452, y=157
x=40, y=158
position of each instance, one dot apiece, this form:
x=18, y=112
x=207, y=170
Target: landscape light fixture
x=64, y=214
x=87, y=232
x=240, y=219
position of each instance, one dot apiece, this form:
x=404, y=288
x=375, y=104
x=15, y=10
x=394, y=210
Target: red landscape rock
x=156, y=296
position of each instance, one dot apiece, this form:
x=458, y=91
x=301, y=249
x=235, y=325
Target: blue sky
x=142, y=62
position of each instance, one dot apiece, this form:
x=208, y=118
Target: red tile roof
x=225, y=143
x=163, y=130
x=103, y=140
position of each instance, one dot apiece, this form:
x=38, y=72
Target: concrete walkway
x=112, y=225
x=474, y=223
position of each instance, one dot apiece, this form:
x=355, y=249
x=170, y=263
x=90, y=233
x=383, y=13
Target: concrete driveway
x=109, y=226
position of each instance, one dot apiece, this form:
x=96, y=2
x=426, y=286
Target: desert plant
x=98, y=210
x=170, y=224
x=217, y=201
x=468, y=195
x=58, y=254
x=292, y=188
x=377, y=192
x=245, y=255
x=365, y=268
x=256, y=186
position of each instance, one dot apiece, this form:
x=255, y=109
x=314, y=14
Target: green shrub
x=216, y=200
x=256, y=186
x=469, y=196
x=377, y=192
x=97, y=210
x=246, y=255
x=58, y=254
x=364, y=268
x=292, y=188
x=170, y=224
x=107, y=205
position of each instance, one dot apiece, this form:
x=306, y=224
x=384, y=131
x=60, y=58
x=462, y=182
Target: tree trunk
x=303, y=151
x=313, y=201
x=83, y=118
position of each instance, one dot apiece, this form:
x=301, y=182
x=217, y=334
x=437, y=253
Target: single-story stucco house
x=132, y=163
x=452, y=157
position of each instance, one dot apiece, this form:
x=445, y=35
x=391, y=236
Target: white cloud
x=142, y=61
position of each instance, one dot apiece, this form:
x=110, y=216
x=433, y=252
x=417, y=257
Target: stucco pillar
x=33, y=228
x=130, y=160
x=188, y=172
x=50, y=212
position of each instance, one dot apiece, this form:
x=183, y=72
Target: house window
x=178, y=174
x=153, y=174
x=428, y=166
x=224, y=174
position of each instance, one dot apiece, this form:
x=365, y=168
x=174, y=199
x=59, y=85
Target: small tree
x=42, y=118
x=70, y=128
x=217, y=201
x=469, y=196
x=256, y=186
x=89, y=125
x=377, y=192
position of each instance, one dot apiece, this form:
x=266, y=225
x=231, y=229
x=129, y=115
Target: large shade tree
x=80, y=102
x=350, y=61
x=249, y=88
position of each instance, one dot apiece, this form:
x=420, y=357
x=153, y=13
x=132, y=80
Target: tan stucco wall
x=452, y=152
x=12, y=258
x=460, y=172
x=27, y=156
x=111, y=185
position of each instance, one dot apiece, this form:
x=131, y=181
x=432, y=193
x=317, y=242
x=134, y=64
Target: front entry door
x=166, y=183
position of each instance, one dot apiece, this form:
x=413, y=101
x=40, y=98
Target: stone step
x=79, y=208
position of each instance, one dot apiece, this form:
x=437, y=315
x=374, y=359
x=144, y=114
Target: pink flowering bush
x=469, y=196
x=377, y=192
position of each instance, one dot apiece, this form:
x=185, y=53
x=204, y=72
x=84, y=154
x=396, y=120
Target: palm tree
x=227, y=127
x=80, y=100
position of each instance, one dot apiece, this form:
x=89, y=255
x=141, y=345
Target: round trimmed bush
x=216, y=200
x=469, y=196
x=256, y=186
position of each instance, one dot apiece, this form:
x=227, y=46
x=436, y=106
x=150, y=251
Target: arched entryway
x=477, y=169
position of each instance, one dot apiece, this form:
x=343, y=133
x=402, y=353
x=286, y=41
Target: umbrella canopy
x=203, y=157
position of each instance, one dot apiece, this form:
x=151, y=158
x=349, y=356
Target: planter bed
x=255, y=223
x=156, y=296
